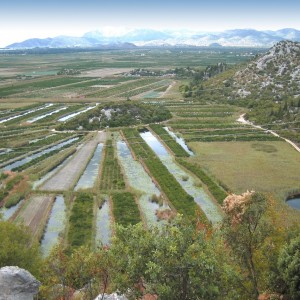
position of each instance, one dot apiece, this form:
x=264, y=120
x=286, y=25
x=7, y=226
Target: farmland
x=110, y=100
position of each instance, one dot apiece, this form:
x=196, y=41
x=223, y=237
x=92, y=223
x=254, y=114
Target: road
x=242, y=120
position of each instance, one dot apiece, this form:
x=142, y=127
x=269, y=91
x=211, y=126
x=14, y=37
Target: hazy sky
x=23, y=19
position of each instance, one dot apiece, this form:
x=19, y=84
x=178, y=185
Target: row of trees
x=250, y=254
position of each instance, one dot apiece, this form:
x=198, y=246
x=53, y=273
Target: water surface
x=55, y=225
x=294, y=203
x=180, y=141
x=139, y=179
x=103, y=223
x=8, y=212
x=88, y=178
x=29, y=158
x=211, y=209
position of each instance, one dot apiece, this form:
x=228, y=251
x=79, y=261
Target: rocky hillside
x=273, y=75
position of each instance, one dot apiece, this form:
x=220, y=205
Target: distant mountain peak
x=151, y=37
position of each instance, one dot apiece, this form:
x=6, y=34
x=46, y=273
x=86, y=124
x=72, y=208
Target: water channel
x=88, y=178
x=55, y=225
x=70, y=116
x=27, y=159
x=46, y=115
x=139, y=179
x=103, y=224
x=8, y=212
x=180, y=141
x=25, y=113
x=211, y=209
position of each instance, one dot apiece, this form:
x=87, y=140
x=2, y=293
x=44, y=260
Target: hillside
x=273, y=75
x=269, y=86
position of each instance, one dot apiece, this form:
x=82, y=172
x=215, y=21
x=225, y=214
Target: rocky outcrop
x=113, y=296
x=274, y=74
x=17, y=284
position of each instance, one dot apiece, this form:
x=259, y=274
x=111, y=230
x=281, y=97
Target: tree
x=289, y=267
x=82, y=269
x=245, y=228
x=18, y=249
x=174, y=262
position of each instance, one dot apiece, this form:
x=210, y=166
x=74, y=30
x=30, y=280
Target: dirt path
x=66, y=177
x=168, y=89
x=242, y=120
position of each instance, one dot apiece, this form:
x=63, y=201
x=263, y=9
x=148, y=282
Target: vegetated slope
x=273, y=75
x=269, y=86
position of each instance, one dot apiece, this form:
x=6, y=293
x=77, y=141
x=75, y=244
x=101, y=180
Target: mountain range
x=150, y=37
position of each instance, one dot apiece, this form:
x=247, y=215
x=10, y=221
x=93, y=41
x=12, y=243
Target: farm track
x=35, y=213
x=242, y=120
x=66, y=177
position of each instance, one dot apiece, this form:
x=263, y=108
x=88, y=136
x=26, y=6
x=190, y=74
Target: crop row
x=111, y=176
x=81, y=220
x=226, y=131
x=169, y=141
x=24, y=146
x=31, y=86
x=21, y=139
x=42, y=157
x=125, y=209
x=9, y=186
x=200, y=121
x=215, y=189
x=203, y=115
x=10, y=112
x=119, y=89
x=32, y=115
x=59, y=114
x=233, y=137
x=181, y=200
x=200, y=109
x=38, y=170
x=146, y=88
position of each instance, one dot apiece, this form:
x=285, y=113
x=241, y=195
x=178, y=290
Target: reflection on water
x=38, y=154
x=46, y=115
x=25, y=113
x=89, y=175
x=141, y=181
x=294, y=203
x=55, y=225
x=68, y=117
x=190, y=186
x=8, y=212
x=179, y=140
x=103, y=230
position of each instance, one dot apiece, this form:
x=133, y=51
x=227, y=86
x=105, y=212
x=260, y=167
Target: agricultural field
x=56, y=109
x=66, y=178
x=111, y=176
x=34, y=213
x=265, y=166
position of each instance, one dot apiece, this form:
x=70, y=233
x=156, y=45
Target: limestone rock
x=113, y=296
x=17, y=284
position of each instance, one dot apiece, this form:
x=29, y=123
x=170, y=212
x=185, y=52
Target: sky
x=23, y=19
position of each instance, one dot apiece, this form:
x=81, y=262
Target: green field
x=261, y=166
x=229, y=156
